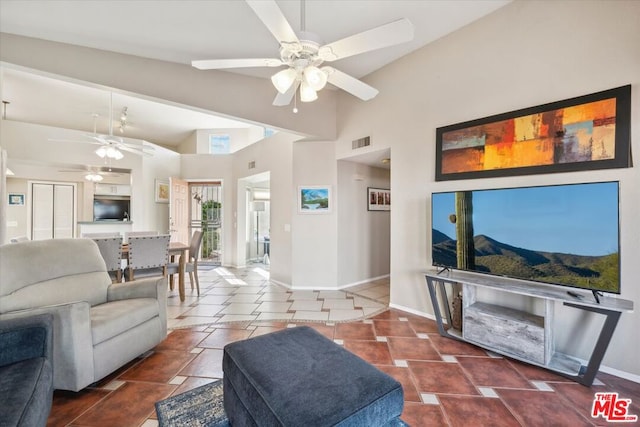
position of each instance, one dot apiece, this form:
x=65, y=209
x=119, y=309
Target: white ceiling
x=181, y=31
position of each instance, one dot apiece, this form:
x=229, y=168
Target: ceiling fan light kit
x=283, y=80
x=109, y=152
x=93, y=177
x=307, y=94
x=303, y=53
x=315, y=77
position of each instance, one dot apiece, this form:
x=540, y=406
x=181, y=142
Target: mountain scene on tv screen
x=493, y=257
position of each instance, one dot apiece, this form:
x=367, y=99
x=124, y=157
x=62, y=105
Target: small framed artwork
x=314, y=199
x=16, y=199
x=378, y=199
x=162, y=191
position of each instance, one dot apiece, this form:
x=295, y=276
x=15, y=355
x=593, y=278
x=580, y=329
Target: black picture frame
x=378, y=199
x=480, y=138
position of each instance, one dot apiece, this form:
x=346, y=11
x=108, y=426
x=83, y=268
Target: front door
x=179, y=210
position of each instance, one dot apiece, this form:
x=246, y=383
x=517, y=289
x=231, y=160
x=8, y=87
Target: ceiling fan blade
x=135, y=146
x=74, y=141
x=137, y=143
x=219, y=64
x=138, y=151
x=396, y=32
x=272, y=17
x=350, y=84
x=283, y=99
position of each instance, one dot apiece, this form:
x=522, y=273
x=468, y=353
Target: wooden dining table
x=175, y=249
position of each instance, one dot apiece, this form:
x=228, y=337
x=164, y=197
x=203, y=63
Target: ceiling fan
x=112, y=145
x=303, y=54
x=94, y=174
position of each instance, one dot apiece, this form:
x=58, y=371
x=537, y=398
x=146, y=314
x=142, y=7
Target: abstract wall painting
x=583, y=133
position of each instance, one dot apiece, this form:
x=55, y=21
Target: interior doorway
x=254, y=219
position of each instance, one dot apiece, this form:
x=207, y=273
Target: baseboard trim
x=277, y=282
x=362, y=282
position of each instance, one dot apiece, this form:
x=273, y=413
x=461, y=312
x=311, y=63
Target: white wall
x=363, y=236
x=273, y=155
x=525, y=54
x=16, y=215
x=314, y=236
x=147, y=214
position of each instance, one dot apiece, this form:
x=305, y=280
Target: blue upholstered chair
x=26, y=370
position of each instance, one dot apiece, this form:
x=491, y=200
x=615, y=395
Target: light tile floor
x=247, y=295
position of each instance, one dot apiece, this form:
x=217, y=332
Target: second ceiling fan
x=303, y=55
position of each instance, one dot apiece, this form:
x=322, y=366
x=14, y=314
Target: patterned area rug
x=201, y=406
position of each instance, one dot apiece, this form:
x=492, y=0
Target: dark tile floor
x=446, y=383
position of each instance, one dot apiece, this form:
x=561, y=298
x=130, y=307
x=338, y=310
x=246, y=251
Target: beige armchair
x=97, y=326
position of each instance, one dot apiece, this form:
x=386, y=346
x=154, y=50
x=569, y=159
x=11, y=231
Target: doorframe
x=243, y=207
x=219, y=183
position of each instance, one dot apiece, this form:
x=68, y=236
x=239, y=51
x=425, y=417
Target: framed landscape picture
x=314, y=199
x=584, y=133
x=378, y=199
x=16, y=199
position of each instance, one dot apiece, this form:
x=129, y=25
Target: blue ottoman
x=297, y=377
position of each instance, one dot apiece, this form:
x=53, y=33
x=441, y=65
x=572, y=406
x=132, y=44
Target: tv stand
x=518, y=334
x=443, y=269
x=597, y=295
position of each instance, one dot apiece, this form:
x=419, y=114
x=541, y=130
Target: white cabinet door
x=113, y=190
x=42, y=212
x=52, y=211
x=63, y=213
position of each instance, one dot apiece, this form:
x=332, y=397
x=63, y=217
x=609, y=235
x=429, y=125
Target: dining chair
x=101, y=235
x=191, y=265
x=128, y=234
x=148, y=256
x=111, y=251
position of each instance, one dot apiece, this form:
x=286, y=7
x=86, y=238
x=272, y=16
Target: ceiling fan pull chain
x=295, y=103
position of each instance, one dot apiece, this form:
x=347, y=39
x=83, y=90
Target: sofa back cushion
x=47, y=272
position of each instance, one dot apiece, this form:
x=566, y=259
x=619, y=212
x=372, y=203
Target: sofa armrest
x=72, y=342
x=26, y=338
x=153, y=287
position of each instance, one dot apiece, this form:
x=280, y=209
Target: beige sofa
x=98, y=326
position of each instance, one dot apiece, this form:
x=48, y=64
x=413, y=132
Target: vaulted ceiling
x=182, y=31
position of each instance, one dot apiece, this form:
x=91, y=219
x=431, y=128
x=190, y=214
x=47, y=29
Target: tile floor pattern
x=247, y=295
x=446, y=383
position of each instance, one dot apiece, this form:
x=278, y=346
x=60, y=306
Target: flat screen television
x=560, y=234
x=111, y=209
